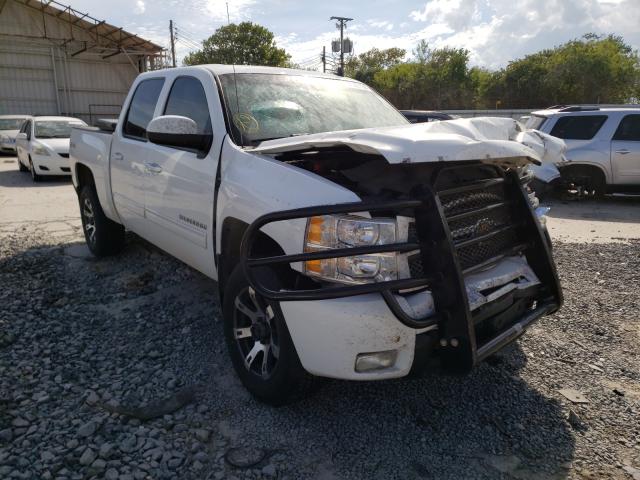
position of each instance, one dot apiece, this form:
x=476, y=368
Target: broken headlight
x=343, y=231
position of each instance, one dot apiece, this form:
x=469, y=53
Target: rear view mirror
x=179, y=132
x=21, y=136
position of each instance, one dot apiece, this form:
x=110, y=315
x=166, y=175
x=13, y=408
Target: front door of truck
x=625, y=151
x=129, y=150
x=180, y=183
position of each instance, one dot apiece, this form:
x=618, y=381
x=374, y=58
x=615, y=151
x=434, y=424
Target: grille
x=471, y=214
x=479, y=220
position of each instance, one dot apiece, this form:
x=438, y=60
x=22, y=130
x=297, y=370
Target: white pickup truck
x=346, y=242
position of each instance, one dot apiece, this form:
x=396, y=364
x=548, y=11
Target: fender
x=280, y=187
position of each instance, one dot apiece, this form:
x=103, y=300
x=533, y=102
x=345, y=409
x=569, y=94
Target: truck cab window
x=187, y=99
x=142, y=107
x=629, y=129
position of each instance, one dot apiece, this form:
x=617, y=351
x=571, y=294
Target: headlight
x=40, y=149
x=331, y=231
x=4, y=138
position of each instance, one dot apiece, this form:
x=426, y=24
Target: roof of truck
x=219, y=69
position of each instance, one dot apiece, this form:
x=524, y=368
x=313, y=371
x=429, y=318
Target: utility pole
x=342, y=23
x=324, y=59
x=173, y=44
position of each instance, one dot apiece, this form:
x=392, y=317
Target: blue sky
x=494, y=31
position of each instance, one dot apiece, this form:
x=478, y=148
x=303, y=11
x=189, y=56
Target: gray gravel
x=84, y=340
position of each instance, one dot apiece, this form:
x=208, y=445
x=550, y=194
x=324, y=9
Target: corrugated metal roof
x=105, y=34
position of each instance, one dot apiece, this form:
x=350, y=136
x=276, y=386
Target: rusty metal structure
x=55, y=60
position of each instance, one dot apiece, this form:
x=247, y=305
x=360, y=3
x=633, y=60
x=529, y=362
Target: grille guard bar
x=437, y=250
x=386, y=288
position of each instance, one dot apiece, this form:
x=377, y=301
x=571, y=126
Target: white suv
x=603, y=145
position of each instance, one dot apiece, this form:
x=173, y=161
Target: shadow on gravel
x=139, y=326
x=15, y=178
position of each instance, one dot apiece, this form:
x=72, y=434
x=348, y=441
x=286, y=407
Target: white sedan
x=43, y=145
x=9, y=127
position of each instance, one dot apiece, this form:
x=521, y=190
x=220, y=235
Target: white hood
x=482, y=138
x=58, y=145
x=9, y=133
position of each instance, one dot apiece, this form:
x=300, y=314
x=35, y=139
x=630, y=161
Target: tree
x=246, y=43
x=367, y=64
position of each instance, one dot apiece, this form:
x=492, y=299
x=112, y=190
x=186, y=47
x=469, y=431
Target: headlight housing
x=343, y=231
x=39, y=149
x=4, y=138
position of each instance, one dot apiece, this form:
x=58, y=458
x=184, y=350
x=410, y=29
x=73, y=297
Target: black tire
x=583, y=182
x=284, y=380
x=34, y=176
x=104, y=237
x=21, y=167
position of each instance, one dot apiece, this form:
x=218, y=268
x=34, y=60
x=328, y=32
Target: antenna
x=235, y=79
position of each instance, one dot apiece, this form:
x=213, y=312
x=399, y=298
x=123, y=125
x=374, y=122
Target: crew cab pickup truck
x=346, y=242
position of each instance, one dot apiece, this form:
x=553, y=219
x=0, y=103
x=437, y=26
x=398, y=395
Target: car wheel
x=583, y=182
x=34, y=176
x=103, y=236
x=259, y=344
x=21, y=166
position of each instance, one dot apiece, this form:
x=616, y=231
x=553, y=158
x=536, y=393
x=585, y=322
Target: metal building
x=55, y=60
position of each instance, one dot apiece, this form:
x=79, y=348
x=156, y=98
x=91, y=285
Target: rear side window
x=579, y=127
x=629, y=129
x=142, y=107
x=187, y=99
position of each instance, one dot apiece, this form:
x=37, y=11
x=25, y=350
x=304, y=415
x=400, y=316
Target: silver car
x=603, y=145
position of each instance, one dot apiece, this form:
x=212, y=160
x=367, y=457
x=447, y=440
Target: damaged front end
x=470, y=260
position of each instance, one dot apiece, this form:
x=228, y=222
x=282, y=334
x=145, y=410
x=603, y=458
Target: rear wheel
x=34, y=176
x=260, y=346
x=104, y=237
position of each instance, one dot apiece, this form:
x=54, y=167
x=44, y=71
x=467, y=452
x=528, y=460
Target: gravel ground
x=90, y=349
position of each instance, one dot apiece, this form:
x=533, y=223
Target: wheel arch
x=232, y=233
x=84, y=176
x=584, y=166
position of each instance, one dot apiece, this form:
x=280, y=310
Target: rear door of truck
x=129, y=150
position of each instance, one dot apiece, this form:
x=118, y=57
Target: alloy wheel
x=89, y=220
x=256, y=334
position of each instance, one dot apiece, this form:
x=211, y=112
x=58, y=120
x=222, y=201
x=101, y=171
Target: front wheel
x=34, y=176
x=104, y=237
x=21, y=166
x=260, y=346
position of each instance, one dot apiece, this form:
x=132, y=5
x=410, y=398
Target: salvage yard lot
x=85, y=342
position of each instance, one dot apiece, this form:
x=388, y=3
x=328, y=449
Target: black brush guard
x=443, y=275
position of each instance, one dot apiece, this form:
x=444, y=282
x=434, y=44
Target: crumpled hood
x=481, y=138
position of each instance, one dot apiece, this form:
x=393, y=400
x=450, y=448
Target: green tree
x=367, y=64
x=245, y=43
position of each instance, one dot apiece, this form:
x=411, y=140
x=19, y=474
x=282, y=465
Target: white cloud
x=238, y=9
x=139, y=8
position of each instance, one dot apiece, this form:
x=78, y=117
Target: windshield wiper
x=258, y=141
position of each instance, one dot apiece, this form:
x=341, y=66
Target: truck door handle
x=117, y=156
x=152, y=167
x=624, y=151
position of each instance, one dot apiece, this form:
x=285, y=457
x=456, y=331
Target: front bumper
x=8, y=147
x=330, y=326
x=53, y=164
